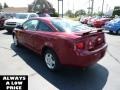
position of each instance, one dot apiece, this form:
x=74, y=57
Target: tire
x=118, y=32
x=9, y=31
x=51, y=60
x=15, y=41
x=111, y=32
x=1, y=28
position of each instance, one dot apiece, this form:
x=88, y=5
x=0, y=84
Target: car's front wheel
x=51, y=60
x=15, y=40
x=9, y=31
x=2, y=28
x=118, y=32
x=111, y=32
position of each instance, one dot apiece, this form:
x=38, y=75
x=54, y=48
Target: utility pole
x=102, y=7
x=89, y=8
x=92, y=6
x=58, y=7
x=62, y=7
x=73, y=7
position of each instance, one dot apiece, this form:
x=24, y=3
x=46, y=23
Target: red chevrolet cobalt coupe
x=61, y=42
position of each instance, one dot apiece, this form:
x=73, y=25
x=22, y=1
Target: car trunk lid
x=90, y=39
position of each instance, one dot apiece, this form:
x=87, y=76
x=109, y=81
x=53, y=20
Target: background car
x=3, y=17
x=61, y=42
x=113, y=26
x=19, y=18
x=92, y=20
x=99, y=23
x=85, y=20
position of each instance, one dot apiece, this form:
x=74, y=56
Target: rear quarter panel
x=59, y=43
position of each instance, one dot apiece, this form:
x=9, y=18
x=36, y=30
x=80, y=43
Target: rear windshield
x=66, y=25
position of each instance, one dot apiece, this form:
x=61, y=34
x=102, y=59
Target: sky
x=68, y=4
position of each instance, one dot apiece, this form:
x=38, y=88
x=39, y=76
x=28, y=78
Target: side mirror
x=19, y=26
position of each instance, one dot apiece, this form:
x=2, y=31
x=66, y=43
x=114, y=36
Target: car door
x=29, y=31
x=42, y=36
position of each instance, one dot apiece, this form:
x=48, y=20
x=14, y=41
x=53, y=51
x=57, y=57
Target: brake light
x=80, y=45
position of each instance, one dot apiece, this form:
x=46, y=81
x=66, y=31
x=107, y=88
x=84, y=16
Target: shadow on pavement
x=94, y=78
x=7, y=33
x=113, y=34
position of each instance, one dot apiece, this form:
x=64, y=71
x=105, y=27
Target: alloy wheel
x=50, y=62
x=15, y=41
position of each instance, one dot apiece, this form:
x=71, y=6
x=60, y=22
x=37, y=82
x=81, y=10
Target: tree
x=80, y=12
x=116, y=11
x=0, y=6
x=55, y=14
x=69, y=13
x=5, y=5
x=99, y=13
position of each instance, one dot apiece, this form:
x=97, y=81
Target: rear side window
x=44, y=27
x=59, y=28
x=66, y=25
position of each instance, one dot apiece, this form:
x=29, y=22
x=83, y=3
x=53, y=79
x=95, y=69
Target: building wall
x=15, y=10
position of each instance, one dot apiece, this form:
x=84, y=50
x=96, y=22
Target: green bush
x=55, y=14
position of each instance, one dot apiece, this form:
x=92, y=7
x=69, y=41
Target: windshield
x=65, y=25
x=21, y=16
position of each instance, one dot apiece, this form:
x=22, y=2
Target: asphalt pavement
x=105, y=75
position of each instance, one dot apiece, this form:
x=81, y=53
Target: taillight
x=80, y=45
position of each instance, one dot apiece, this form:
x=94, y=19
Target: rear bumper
x=98, y=25
x=10, y=28
x=84, y=58
x=111, y=28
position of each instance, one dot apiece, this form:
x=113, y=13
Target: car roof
x=48, y=19
x=25, y=13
